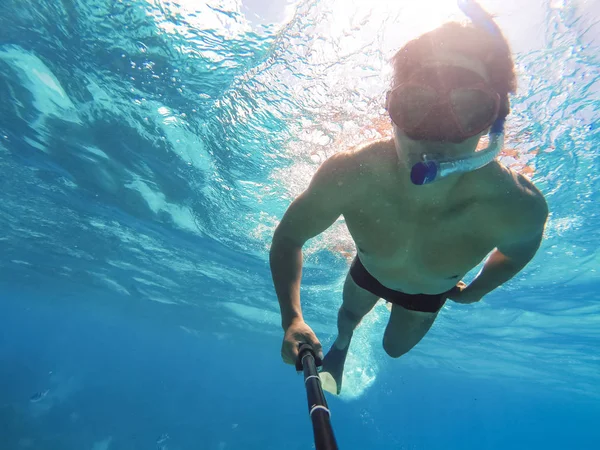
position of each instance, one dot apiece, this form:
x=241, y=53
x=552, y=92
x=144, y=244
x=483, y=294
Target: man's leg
x=405, y=329
x=357, y=302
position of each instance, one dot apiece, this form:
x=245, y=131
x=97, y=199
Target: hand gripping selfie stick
x=318, y=410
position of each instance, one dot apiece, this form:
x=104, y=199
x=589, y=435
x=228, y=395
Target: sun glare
x=392, y=22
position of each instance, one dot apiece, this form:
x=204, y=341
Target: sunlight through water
x=156, y=163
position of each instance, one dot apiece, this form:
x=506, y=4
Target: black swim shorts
x=414, y=302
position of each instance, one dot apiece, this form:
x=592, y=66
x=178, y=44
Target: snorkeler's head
x=450, y=86
x=465, y=45
x=444, y=102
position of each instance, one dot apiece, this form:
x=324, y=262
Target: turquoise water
x=148, y=150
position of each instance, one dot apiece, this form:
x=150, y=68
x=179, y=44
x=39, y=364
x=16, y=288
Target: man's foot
x=333, y=369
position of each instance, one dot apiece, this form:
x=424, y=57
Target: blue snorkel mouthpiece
x=429, y=170
x=424, y=172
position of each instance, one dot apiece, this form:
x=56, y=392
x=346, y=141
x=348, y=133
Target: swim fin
x=333, y=369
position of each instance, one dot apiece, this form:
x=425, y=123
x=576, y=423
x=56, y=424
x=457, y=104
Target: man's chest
x=435, y=240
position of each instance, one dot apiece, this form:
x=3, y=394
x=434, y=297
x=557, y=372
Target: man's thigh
x=356, y=300
x=405, y=329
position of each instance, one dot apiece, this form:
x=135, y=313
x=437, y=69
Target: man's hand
x=299, y=333
x=462, y=294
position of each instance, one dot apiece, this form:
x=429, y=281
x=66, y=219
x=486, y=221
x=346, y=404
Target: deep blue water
x=147, y=151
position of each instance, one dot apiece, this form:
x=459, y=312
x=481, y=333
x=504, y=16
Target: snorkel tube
x=429, y=170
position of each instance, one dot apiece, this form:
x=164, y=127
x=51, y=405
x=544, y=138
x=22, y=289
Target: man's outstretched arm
x=315, y=210
x=310, y=214
x=509, y=258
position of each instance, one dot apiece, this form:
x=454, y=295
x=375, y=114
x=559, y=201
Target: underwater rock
x=38, y=396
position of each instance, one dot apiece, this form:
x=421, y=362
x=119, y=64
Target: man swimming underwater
x=423, y=207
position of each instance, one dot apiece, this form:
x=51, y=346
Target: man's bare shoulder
x=357, y=163
x=345, y=176
x=517, y=197
x=516, y=186
x=375, y=153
